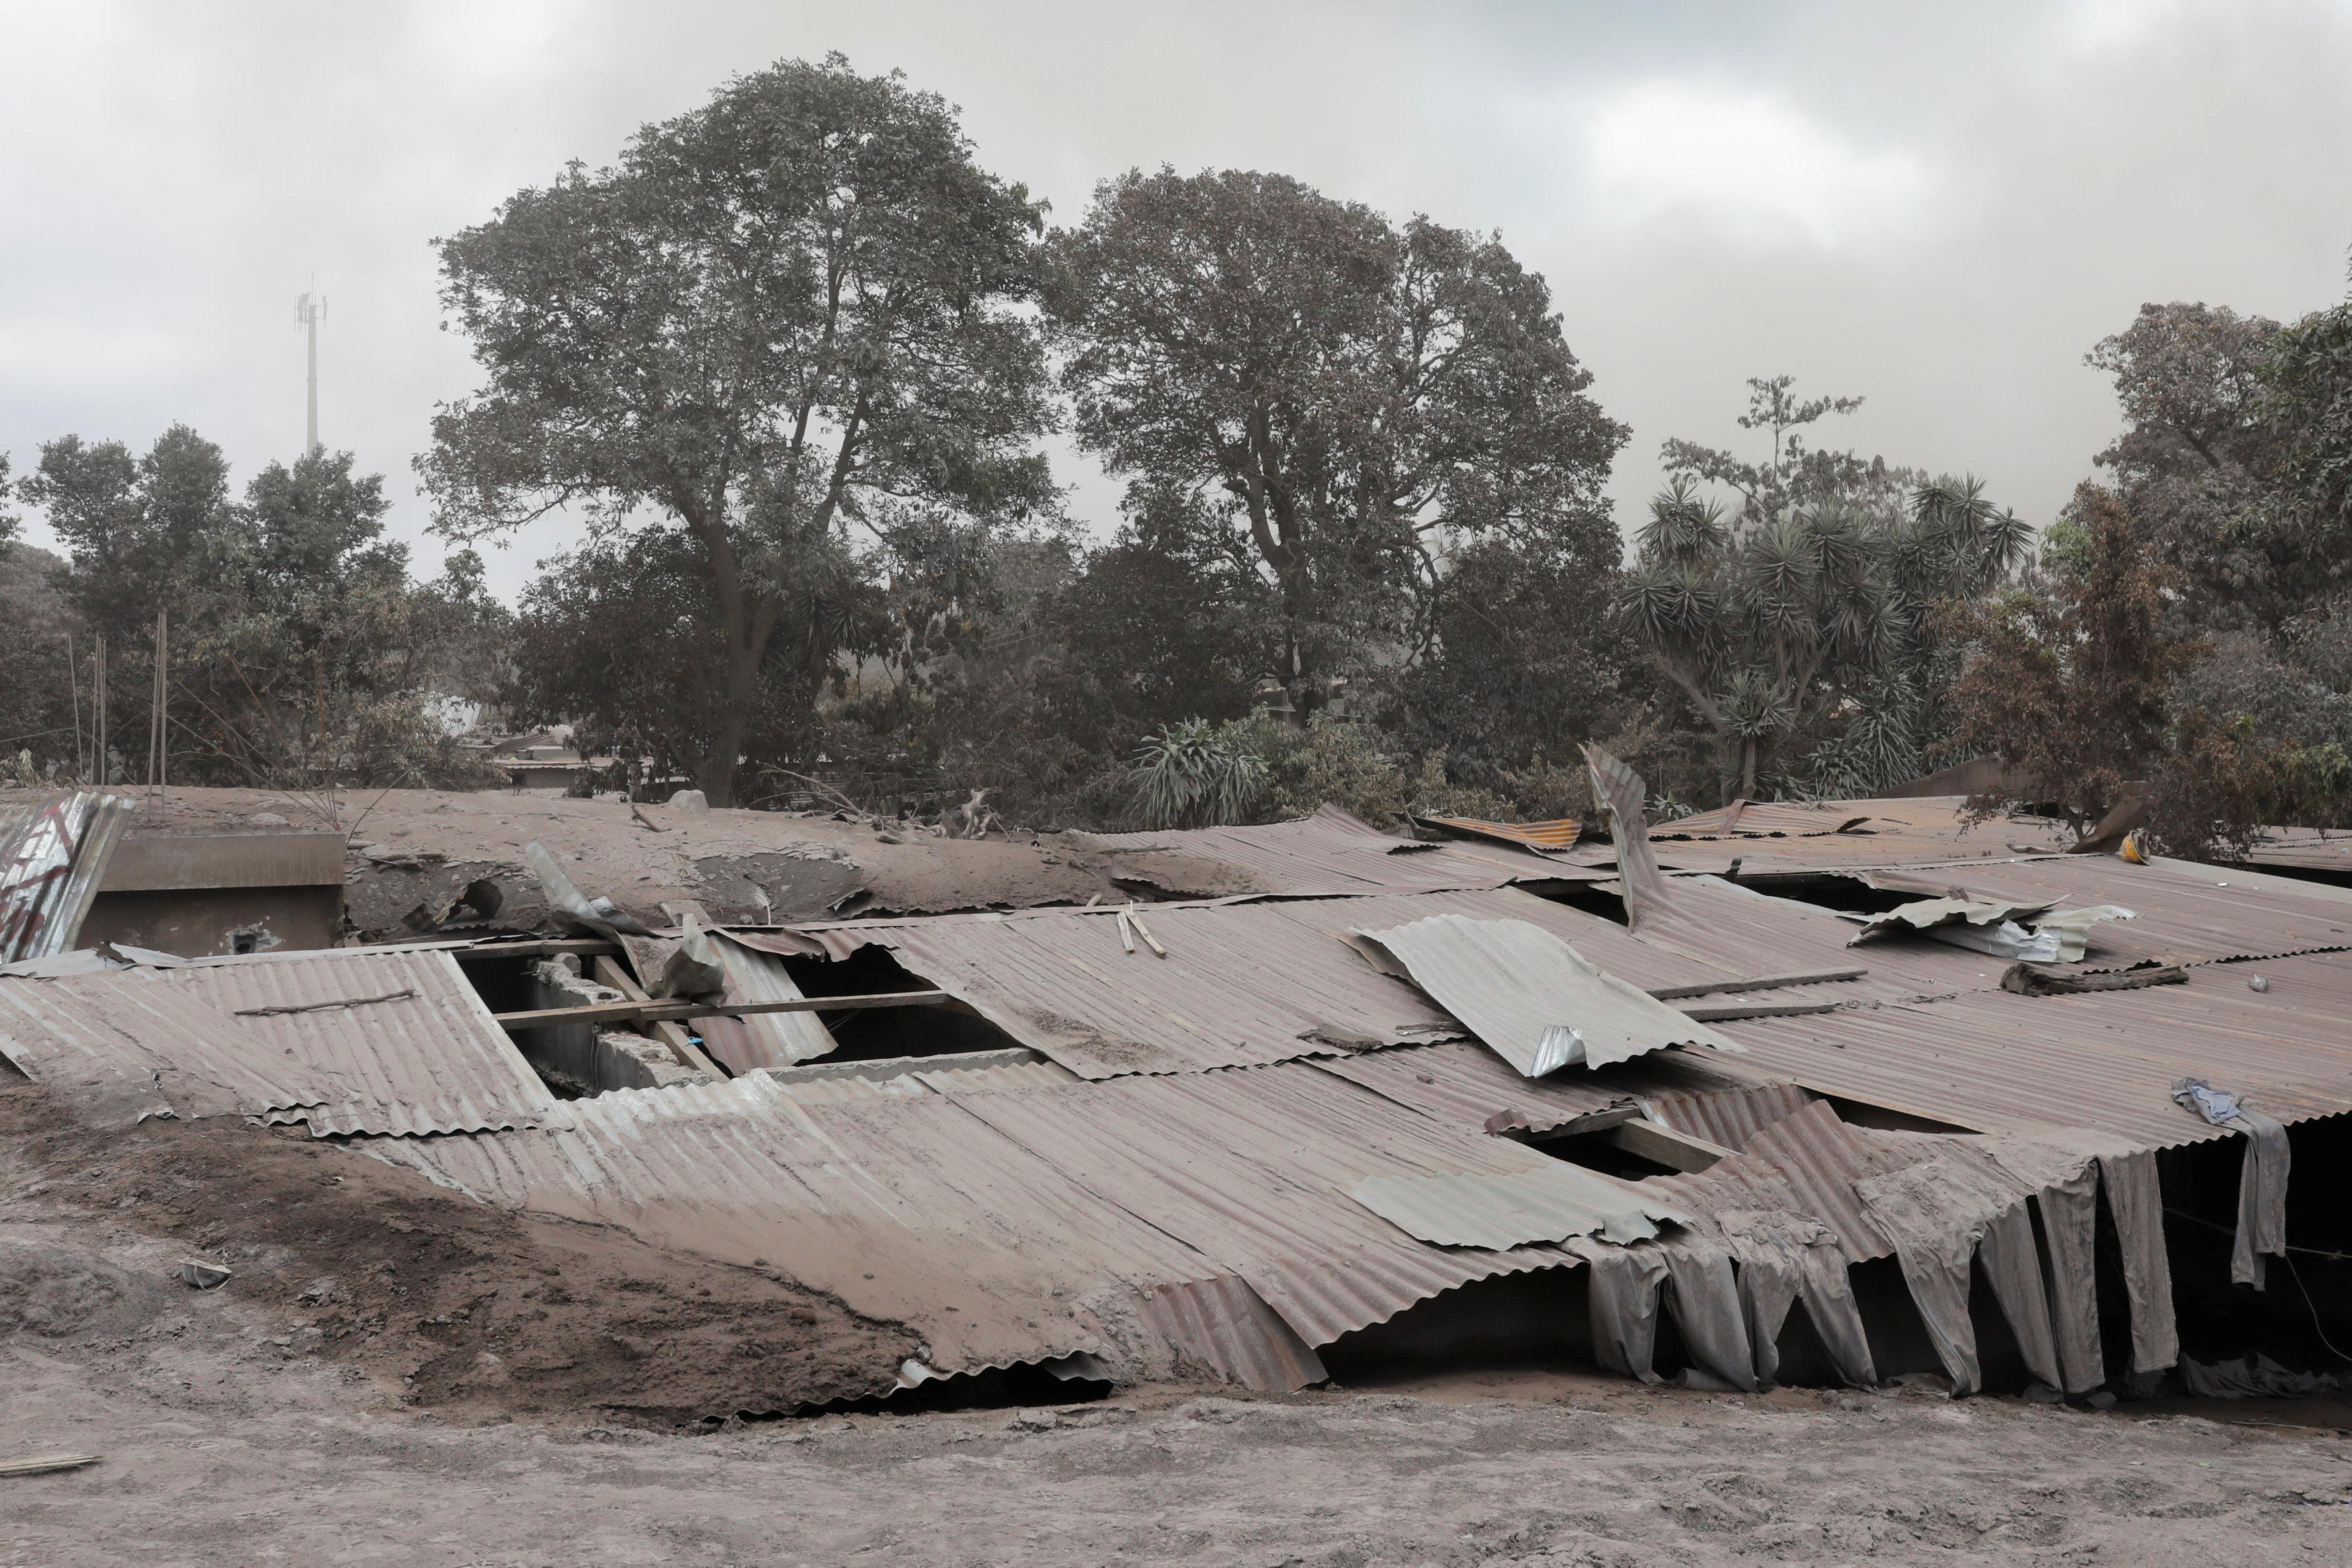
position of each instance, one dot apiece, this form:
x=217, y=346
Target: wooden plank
x=1728, y=1010
x=42, y=1464
x=647, y=1012
x=670, y=1032
x=586, y=947
x=1677, y=1151
x=1767, y=983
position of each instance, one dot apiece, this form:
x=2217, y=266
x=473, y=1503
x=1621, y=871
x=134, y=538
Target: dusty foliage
x=2067, y=688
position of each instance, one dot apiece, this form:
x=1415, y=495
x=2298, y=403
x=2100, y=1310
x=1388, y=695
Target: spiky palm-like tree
x=1768, y=628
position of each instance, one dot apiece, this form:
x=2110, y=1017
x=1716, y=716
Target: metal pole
x=99, y=697
x=73, y=685
x=308, y=309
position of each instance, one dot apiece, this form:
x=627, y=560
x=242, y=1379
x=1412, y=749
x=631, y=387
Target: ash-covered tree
x=298, y=651
x=788, y=326
x=2067, y=688
x=2306, y=410
x=2192, y=463
x=1327, y=400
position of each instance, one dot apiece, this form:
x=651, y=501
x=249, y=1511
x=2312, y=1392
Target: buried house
x=1793, y=1125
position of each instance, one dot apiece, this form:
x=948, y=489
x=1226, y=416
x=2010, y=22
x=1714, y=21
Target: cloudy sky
x=1937, y=207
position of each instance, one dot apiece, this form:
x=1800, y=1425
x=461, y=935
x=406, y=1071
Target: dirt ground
x=222, y=1445
x=396, y=1376
x=414, y=847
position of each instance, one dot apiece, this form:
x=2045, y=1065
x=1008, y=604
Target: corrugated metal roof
x=121, y=1047
x=1806, y=1162
x=1016, y=1211
x=2107, y=1061
x=1468, y=1088
x=1550, y=1202
x=835, y=1087
x=1227, y=1327
x=1535, y=999
x=435, y=1061
x=906, y=1208
x=53, y=857
x=1251, y=980
x=1825, y=835
x=348, y=1040
x=2185, y=913
x=1333, y=853
x=762, y=1039
x=1730, y=1117
x=1251, y=1167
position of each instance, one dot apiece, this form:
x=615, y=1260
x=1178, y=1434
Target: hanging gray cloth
x=1932, y=1215
x=2262, y=1179
x=2069, y=1224
x=2062, y=1174
x=2013, y=1264
x=2261, y=1198
x=1702, y=1293
x=2136, y=1202
x=1787, y=1257
x=1623, y=1294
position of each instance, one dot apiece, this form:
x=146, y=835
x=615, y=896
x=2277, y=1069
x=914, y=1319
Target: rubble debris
x=53, y=858
x=203, y=1275
x=2027, y=980
x=568, y=909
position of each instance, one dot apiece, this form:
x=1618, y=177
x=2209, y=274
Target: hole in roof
x=871, y=1034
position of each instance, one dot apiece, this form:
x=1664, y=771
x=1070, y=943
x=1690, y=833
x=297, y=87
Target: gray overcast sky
x=1938, y=207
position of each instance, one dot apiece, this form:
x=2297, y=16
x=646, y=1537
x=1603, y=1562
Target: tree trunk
x=715, y=776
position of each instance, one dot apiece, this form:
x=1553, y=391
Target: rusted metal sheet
x=1536, y=1000
x=1559, y=834
x=1805, y=1164
x=761, y=1040
x=433, y=1061
x=1251, y=1166
x=1333, y=853
x=166, y=863
x=1246, y=981
x=119, y=1046
x=53, y=857
x=349, y=1041
x=1997, y=1063
x=1550, y=1202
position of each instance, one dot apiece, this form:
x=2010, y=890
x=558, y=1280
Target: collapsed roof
x=1279, y=1118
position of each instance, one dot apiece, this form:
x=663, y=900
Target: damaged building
x=1791, y=1093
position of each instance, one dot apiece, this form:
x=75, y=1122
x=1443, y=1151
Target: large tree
x=2306, y=410
x=299, y=648
x=2192, y=462
x=793, y=313
x=1330, y=400
x=2067, y=688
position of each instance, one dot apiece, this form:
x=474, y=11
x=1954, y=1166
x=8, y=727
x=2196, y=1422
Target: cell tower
x=310, y=310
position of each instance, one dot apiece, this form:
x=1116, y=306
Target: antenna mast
x=310, y=310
